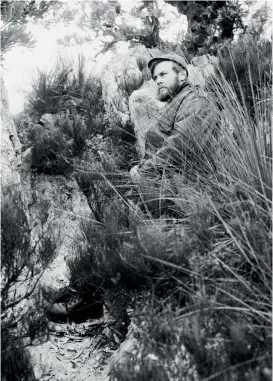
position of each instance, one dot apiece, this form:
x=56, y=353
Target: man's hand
x=134, y=172
x=147, y=164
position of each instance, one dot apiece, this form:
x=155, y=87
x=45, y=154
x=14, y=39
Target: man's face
x=167, y=80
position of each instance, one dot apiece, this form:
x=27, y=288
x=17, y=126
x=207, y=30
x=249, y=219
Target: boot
x=52, y=295
x=76, y=309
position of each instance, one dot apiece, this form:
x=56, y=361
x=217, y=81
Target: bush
x=190, y=343
x=54, y=148
x=67, y=89
x=23, y=262
x=74, y=101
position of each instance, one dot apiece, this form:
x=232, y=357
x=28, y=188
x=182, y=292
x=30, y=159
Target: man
x=183, y=130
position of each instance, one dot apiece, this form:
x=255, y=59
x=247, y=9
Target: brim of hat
x=156, y=59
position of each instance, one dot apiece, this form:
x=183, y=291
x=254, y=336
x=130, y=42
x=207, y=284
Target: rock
x=144, y=110
x=10, y=146
x=57, y=207
x=202, y=67
x=121, y=76
x=48, y=121
x=26, y=159
x=128, y=346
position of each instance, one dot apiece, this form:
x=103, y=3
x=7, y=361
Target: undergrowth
x=206, y=256
x=64, y=117
x=194, y=238
x=25, y=255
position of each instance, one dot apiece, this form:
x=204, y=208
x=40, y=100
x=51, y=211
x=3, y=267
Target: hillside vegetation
x=190, y=253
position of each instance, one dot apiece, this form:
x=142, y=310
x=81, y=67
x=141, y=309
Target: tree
x=15, y=16
x=259, y=20
x=109, y=23
x=210, y=23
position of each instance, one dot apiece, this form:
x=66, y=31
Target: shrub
x=23, y=262
x=67, y=87
x=190, y=343
x=116, y=251
x=53, y=149
x=15, y=361
x=74, y=100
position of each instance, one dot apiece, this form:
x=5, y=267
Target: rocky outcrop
x=10, y=146
x=120, y=77
x=144, y=110
x=56, y=207
x=202, y=67
x=130, y=95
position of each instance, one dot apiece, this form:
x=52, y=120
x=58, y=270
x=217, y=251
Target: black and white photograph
x=136, y=190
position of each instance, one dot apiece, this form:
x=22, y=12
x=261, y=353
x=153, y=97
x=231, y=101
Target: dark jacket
x=183, y=132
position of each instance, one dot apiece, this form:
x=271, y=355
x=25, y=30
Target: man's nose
x=158, y=81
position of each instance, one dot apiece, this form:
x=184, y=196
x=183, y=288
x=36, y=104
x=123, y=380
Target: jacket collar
x=184, y=85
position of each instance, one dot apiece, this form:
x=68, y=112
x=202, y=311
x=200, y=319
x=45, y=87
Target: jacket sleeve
x=190, y=132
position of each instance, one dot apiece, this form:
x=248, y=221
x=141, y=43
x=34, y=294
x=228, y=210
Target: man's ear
x=182, y=76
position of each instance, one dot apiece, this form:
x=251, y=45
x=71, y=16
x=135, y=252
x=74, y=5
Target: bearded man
x=184, y=128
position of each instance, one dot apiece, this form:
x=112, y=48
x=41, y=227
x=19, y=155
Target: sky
x=20, y=64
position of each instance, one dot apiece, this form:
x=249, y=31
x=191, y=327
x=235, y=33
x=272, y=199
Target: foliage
x=16, y=35
x=15, y=16
x=261, y=18
x=174, y=344
x=13, y=12
x=48, y=91
x=15, y=361
x=68, y=105
x=71, y=111
x=111, y=23
x=53, y=149
x=112, y=245
x=210, y=24
x=67, y=87
x=161, y=354
x=25, y=255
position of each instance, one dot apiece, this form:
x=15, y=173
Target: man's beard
x=164, y=94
